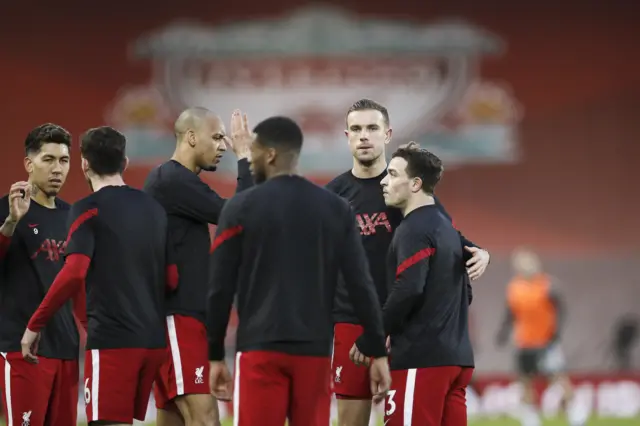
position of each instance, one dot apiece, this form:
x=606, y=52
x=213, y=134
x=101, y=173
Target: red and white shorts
x=433, y=396
x=118, y=382
x=270, y=387
x=349, y=381
x=186, y=367
x=32, y=393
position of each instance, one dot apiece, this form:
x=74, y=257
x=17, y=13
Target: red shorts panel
x=428, y=397
x=349, y=381
x=186, y=367
x=118, y=382
x=32, y=393
x=271, y=386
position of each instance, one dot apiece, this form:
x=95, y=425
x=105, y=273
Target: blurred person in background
x=32, y=246
x=182, y=391
x=536, y=313
x=368, y=133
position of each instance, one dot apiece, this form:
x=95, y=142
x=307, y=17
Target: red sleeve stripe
x=80, y=220
x=5, y=242
x=225, y=235
x=409, y=262
x=172, y=277
x=65, y=286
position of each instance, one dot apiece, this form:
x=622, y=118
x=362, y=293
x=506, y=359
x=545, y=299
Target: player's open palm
x=241, y=134
x=220, y=381
x=380, y=378
x=19, y=200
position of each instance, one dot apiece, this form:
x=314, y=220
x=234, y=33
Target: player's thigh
x=354, y=412
x=63, y=405
x=186, y=369
x=417, y=396
x=310, y=403
x=455, y=406
x=25, y=390
x=111, y=384
x=349, y=381
x=261, y=389
x=169, y=417
x=150, y=363
x=527, y=362
x=551, y=361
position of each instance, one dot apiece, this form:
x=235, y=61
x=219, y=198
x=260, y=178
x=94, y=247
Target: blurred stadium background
x=534, y=107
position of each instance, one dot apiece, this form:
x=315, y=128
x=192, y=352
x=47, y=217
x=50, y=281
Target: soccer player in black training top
x=279, y=247
x=191, y=205
x=31, y=254
x=368, y=132
x=426, y=312
x=117, y=247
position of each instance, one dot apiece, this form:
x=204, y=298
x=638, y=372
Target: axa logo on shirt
x=52, y=249
x=369, y=223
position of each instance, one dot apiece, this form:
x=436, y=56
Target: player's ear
x=388, y=136
x=191, y=138
x=416, y=184
x=84, y=164
x=271, y=155
x=346, y=132
x=28, y=164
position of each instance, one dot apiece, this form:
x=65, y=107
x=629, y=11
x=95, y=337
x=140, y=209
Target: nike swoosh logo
x=32, y=225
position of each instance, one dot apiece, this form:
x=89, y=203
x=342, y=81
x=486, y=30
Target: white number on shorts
x=87, y=392
x=391, y=403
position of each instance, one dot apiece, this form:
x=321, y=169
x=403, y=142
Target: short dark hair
x=365, y=104
x=281, y=133
x=104, y=148
x=46, y=133
x=421, y=164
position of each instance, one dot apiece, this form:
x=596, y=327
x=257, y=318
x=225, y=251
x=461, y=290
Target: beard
x=259, y=176
x=211, y=168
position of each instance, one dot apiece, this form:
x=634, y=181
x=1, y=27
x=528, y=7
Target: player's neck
x=183, y=158
x=99, y=182
x=366, y=172
x=283, y=172
x=418, y=200
x=43, y=199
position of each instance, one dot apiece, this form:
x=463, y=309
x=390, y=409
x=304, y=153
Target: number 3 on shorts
x=390, y=402
x=87, y=392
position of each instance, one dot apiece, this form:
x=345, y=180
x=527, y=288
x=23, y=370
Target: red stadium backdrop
x=543, y=102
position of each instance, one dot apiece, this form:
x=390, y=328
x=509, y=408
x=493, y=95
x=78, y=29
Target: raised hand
x=19, y=200
x=241, y=136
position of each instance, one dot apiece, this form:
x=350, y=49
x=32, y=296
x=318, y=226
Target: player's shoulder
x=85, y=207
x=334, y=202
x=168, y=175
x=340, y=182
x=239, y=199
x=144, y=199
x=62, y=204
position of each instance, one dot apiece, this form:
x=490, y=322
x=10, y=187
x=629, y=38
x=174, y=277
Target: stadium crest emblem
x=312, y=65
